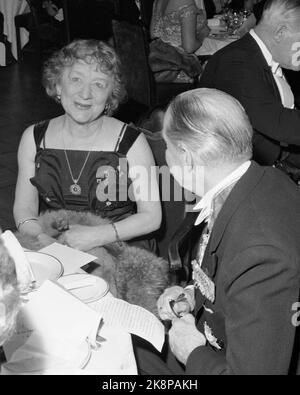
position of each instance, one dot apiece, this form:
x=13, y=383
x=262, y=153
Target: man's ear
x=2, y=314
x=58, y=89
x=280, y=33
x=187, y=157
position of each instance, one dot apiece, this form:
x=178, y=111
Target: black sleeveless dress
x=104, y=182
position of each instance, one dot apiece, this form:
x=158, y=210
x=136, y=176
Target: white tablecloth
x=9, y=9
x=211, y=45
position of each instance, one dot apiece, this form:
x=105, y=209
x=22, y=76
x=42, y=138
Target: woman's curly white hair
x=90, y=51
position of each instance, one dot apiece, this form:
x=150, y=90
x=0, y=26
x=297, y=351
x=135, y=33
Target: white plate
x=44, y=267
x=87, y=294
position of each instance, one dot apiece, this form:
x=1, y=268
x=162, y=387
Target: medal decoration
x=212, y=340
x=201, y=281
x=202, y=247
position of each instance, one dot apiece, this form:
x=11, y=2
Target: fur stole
x=134, y=274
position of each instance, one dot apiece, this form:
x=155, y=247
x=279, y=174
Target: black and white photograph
x=149, y=191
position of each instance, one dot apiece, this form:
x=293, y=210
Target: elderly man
x=250, y=70
x=236, y=316
x=9, y=294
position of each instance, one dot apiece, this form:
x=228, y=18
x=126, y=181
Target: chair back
x=172, y=194
x=35, y=7
x=146, y=7
x=89, y=19
x=38, y=23
x=132, y=48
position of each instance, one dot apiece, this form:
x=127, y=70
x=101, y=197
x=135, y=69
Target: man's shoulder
x=244, y=50
x=241, y=55
x=271, y=208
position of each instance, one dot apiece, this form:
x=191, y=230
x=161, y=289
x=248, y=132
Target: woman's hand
x=180, y=308
x=82, y=237
x=45, y=240
x=203, y=32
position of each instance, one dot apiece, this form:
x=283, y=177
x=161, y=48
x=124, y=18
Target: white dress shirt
x=286, y=94
x=205, y=204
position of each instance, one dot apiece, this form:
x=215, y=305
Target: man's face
x=288, y=47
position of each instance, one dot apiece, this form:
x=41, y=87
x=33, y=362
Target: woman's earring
x=58, y=97
x=106, y=109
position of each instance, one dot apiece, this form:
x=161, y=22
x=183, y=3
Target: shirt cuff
x=205, y=361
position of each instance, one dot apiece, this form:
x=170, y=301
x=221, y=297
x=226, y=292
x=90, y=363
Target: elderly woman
x=86, y=160
x=238, y=314
x=9, y=295
x=178, y=24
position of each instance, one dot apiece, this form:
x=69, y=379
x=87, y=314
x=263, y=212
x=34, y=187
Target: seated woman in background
x=85, y=160
x=52, y=27
x=180, y=25
x=9, y=295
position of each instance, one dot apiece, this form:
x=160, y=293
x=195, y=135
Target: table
x=9, y=9
x=114, y=357
x=213, y=44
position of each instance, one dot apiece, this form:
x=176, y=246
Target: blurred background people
x=250, y=69
x=178, y=24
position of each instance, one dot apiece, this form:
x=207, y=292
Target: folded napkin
x=24, y=272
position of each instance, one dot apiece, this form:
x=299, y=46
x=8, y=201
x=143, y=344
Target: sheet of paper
x=133, y=319
x=70, y=258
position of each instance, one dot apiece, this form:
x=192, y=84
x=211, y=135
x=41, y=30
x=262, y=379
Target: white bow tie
x=277, y=70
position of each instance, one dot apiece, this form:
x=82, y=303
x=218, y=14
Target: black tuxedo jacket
x=253, y=257
x=241, y=70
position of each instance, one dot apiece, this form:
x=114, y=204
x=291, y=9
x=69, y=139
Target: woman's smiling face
x=84, y=90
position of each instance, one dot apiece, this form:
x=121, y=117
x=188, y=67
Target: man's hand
x=181, y=308
x=184, y=337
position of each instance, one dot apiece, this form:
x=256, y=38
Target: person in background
x=52, y=28
x=180, y=25
x=86, y=160
x=250, y=69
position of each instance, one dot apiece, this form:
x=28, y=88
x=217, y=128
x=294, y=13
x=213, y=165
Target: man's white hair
x=279, y=11
x=211, y=124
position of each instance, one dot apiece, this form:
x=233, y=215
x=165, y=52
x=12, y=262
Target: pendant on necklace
x=75, y=189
